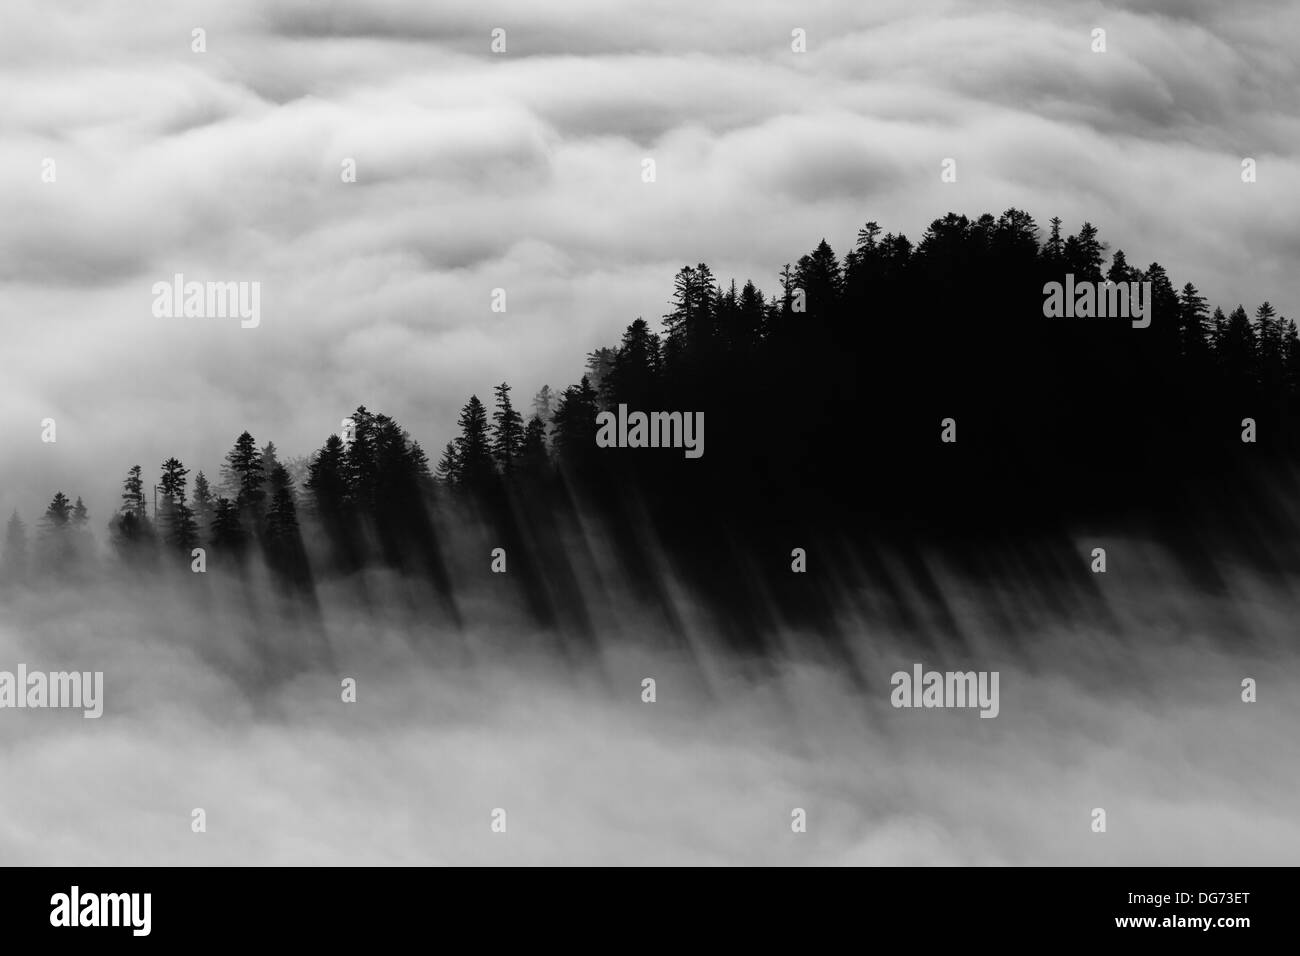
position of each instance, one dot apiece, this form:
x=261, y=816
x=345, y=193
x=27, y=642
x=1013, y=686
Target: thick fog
x=217, y=696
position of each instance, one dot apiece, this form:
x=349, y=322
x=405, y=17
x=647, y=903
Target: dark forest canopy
x=824, y=402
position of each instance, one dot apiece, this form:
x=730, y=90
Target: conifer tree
x=202, y=503
x=327, y=478
x=228, y=536
x=243, y=474
x=508, y=430
x=475, y=467
x=533, y=456
x=448, y=470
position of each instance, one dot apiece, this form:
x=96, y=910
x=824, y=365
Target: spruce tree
x=202, y=503
x=1193, y=322
x=533, y=456
x=56, y=539
x=171, y=485
x=575, y=423
x=327, y=478
x=133, y=500
x=448, y=470
x=544, y=404
x=473, y=447
x=281, y=512
x=228, y=536
x=507, y=430
x=243, y=475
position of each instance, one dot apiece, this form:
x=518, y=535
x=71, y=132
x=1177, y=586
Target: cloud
x=523, y=171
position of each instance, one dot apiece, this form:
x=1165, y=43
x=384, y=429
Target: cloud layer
x=522, y=171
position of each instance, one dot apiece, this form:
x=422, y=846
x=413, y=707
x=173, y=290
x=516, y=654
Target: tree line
x=823, y=402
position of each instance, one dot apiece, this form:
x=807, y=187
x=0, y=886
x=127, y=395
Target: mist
x=221, y=695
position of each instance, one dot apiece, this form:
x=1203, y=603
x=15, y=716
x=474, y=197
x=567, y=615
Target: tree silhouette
x=243, y=475
x=448, y=470
x=132, y=531
x=507, y=431
x=228, y=537
x=533, y=457
x=171, y=485
x=575, y=424
x=282, y=538
x=202, y=504
x=133, y=500
x=823, y=405
x=475, y=467
x=56, y=546
x=544, y=404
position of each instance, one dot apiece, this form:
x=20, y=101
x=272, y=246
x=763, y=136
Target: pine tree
x=58, y=515
x=327, y=478
x=55, y=540
x=185, y=529
x=1237, y=349
x=1268, y=334
x=283, y=540
x=133, y=500
x=243, y=475
x=172, y=487
x=270, y=461
x=689, y=324
x=133, y=533
x=228, y=536
x=635, y=376
x=475, y=468
x=448, y=470
x=1120, y=270
x=1163, y=310
x=726, y=311
x=533, y=456
x=361, y=461
x=1270, y=339
x=1015, y=239
x=202, y=503
x=575, y=422
x=82, y=543
x=750, y=317
x=1084, y=254
x=867, y=238
x=1054, y=248
x=820, y=276
x=282, y=512
x=789, y=284
x=508, y=430
x=1192, y=315
x=1291, y=356
x=416, y=467
x=544, y=404
x=1218, y=328
x=599, y=364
